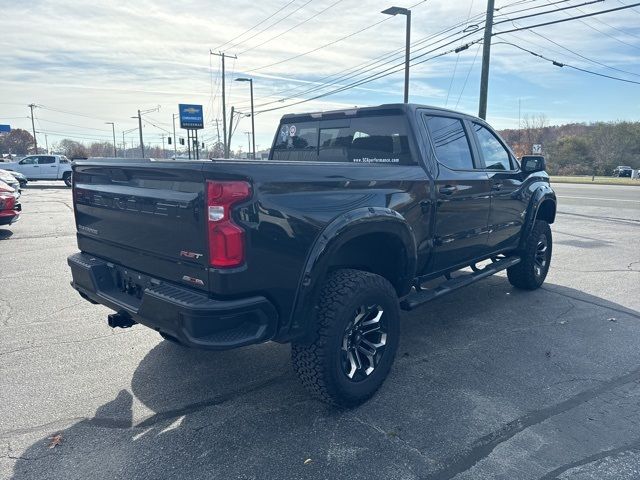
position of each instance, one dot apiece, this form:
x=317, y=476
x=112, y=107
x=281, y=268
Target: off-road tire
x=319, y=362
x=529, y=274
x=66, y=177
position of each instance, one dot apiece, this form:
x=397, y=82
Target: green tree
x=72, y=149
x=18, y=142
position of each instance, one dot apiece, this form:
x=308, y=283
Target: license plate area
x=130, y=283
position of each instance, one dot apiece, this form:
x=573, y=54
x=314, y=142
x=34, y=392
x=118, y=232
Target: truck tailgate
x=149, y=216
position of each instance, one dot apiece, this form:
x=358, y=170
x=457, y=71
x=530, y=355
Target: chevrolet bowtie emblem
x=191, y=110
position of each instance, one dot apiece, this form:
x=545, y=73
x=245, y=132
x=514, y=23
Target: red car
x=9, y=206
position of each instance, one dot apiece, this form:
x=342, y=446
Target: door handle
x=448, y=189
x=496, y=187
x=53, y=166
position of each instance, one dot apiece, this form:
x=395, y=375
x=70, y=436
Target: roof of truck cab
x=386, y=109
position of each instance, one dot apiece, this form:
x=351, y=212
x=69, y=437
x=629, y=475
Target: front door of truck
x=29, y=167
x=508, y=208
x=463, y=194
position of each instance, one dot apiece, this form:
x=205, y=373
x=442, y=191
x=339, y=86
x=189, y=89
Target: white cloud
x=107, y=59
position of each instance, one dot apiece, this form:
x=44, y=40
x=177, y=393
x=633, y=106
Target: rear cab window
x=376, y=139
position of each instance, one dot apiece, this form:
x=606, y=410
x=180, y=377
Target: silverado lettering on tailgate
x=130, y=203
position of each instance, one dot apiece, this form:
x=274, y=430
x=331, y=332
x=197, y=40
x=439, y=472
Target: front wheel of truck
x=66, y=177
x=354, y=341
x=532, y=270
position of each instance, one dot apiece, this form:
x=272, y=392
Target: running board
x=419, y=297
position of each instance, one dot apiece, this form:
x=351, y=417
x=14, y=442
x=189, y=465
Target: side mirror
x=532, y=164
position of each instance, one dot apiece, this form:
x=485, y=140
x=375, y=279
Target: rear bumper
x=191, y=317
x=7, y=217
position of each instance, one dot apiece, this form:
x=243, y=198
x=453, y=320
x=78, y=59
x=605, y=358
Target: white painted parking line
x=598, y=198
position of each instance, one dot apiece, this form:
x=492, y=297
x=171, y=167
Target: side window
x=450, y=142
x=297, y=142
x=29, y=161
x=64, y=160
x=45, y=160
x=496, y=157
x=380, y=139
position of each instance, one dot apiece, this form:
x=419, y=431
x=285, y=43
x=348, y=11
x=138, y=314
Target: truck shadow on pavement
x=489, y=382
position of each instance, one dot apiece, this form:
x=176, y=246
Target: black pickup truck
x=357, y=214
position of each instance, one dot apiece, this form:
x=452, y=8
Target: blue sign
x=191, y=116
x=5, y=128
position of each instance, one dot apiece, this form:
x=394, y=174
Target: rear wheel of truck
x=532, y=270
x=66, y=177
x=354, y=341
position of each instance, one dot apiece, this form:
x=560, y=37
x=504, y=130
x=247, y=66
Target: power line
x=466, y=80
x=577, y=54
x=291, y=28
x=561, y=64
x=608, y=34
x=546, y=12
x=338, y=40
x=255, y=26
x=376, y=76
x=455, y=67
x=366, y=67
x=554, y=22
x=270, y=26
x=379, y=61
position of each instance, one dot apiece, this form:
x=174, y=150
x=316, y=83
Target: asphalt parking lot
x=489, y=382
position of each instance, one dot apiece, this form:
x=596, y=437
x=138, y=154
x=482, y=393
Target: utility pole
x=164, y=155
x=113, y=126
x=46, y=142
x=224, y=102
x=217, y=120
x=175, y=147
x=140, y=130
x=249, y=144
x=139, y=117
x=124, y=146
x=33, y=126
x=230, y=132
x=486, y=58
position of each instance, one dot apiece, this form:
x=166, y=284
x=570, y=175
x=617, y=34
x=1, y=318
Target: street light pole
x=253, y=124
x=407, y=49
x=113, y=126
x=175, y=147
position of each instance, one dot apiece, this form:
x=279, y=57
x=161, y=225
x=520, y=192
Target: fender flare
x=540, y=195
x=342, y=229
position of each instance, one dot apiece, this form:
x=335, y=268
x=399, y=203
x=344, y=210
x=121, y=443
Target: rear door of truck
x=146, y=216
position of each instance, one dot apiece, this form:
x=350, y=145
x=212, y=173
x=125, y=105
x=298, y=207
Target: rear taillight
x=226, y=239
x=7, y=201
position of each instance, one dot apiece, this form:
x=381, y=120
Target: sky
x=85, y=63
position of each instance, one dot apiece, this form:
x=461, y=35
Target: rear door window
x=380, y=140
x=45, y=160
x=450, y=142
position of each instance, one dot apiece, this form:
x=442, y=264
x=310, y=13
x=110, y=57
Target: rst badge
x=192, y=255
